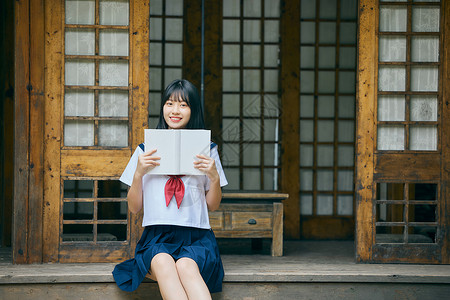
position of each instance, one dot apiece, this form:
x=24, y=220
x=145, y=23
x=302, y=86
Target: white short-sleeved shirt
x=193, y=211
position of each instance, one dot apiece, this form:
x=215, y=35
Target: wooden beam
x=36, y=146
x=365, y=127
x=21, y=130
x=54, y=85
x=290, y=115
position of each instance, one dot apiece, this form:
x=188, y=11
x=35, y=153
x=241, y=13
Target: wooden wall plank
x=445, y=166
x=36, y=148
x=404, y=167
x=192, y=41
x=21, y=133
x=290, y=115
x=52, y=130
x=98, y=163
x=139, y=66
x=365, y=127
x=7, y=106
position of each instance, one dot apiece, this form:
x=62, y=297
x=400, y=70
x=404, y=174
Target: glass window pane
x=252, y=55
x=422, y=212
x=174, y=29
x=271, y=55
x=271, y=80
x=345, y=156
x=230, y=155
x=425, y=19
x=231, y=55
x=155, y=57
x=391, y=78
x=307, y=107
x=156, y=7
x=306, y=180
x=113, y=133
x=345, y=205
x=308, y=9
x=391, y=138
x=251, y=155
x=77, y=233
x=114, y=12
x=327, y=32
x=306, y=204
x=325, y=155
x=270, y=178
x=392, y=48
x=113, y=73
x=347, y=57
x=423, y=138
x=174, y=7
x=252, y=105
x=113, y=42
x=307, y=32
x=389, y=212
x=328, y=9
x=306, y=155
x=326, y=81
x=425, y=49
x=325, y=107
x=79, y=42
x=393, y=18
x=79, y=103
x=231, y=31
x=251, y=178
x=252, y=130
x=233, y=179
x=325, y=131
x=307, y=56
x=347, y=82
x=78, y=210
x=252, y=8
x=424, y=108
x=78, y=188
x=170, y=74
x=346, y=107
x=306, y=131
x=110, y=211
x=155, y=28
x=231, y=80
x=270, y=130
x=327, y=57
x=252, y=31
x=346, y=131
x=271, y=31
x=230, y=130
x=390, y=191
x=423, y=191
x=173, y=54
x=155, y=78
x=349, y=9
x=78, y=133
x=230, y=105
x=79, y=72
x=324, y=205
x=324, y=180
x=272, y=8
x=252, y=80
x=348, y=34
x=231, y=8
x=80, y=12
x=391, y=108
x=424, y=79
x=271, y=154
x=113, y=103
x=345, y=180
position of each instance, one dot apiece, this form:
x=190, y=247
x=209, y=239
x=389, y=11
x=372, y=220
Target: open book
x=177, y=149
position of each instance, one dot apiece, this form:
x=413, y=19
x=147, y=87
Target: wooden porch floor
x=304, y=262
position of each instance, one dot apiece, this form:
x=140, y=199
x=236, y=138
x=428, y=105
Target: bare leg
x=163, y=268
x=191, y=279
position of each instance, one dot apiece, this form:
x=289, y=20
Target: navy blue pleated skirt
x=195, y=243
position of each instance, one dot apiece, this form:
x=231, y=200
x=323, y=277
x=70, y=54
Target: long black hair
x=182, y=88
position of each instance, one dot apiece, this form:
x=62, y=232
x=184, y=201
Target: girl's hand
x=208, y=166
x=146, y=162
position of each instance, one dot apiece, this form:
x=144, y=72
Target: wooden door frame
x=366, y=158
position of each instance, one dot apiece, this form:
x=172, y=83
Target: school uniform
x=182, y=231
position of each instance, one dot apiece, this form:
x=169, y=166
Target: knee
x=161, y=264
x=186, y=268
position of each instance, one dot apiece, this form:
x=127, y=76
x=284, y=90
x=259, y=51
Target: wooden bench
x=250, y=215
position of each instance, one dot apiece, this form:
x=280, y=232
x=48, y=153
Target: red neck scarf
x=174, y=186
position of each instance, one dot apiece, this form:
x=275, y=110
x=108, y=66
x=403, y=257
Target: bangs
x=178, y=94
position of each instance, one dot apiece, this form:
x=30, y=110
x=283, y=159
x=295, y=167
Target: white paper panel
x=80, y=12
x=423, y=138
x=113, y=133
x=78, y=133
x=114, y=12
x=348, y=33
x=78, y=103
x=392, y=18
x=113, y=42
x=423, y=108
x=391, y=108
x=113, y=73
x=391, y=78
x=113, y=104
x=424, y=79
x=392, y=48
x=391, y=138
x=79, y=42
x=347, y=58
x=425, y=19
x=425, y=49
x=270, y=176
x=79, y=72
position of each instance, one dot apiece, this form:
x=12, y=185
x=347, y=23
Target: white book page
x=193, y=142
x=166, y=143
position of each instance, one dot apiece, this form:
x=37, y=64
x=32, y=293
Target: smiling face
x=177, y=112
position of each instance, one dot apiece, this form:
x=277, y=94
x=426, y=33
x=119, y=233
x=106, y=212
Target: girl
x=178, y=248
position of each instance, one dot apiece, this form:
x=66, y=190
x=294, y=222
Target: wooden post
x=290, y=115
x=365, y=127
x=277, y=230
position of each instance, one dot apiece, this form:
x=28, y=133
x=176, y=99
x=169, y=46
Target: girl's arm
x=208, y=166
x=146, y=162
